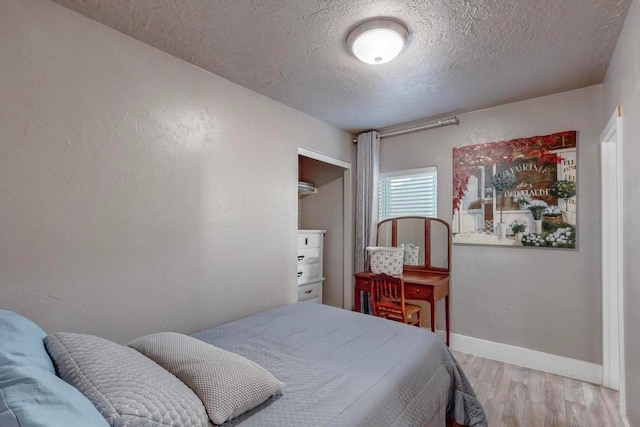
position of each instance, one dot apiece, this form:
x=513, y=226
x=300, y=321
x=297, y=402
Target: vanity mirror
x=427, y=241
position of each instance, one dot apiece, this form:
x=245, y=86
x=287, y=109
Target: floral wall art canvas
x=520, y=192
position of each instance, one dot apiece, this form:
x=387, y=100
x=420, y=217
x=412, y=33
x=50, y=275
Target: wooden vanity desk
x=429, y=279
x=418, y=285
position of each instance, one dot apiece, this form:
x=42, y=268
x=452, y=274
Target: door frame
x=347, y=221
x=612, y=256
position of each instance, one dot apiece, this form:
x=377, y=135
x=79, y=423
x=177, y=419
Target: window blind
x=408, y=193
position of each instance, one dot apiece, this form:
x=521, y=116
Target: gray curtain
x=367, y=167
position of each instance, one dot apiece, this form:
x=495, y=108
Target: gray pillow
x=127, y=388
x=227, y=383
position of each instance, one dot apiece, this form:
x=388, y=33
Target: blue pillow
x=31, y=395
x=22, y=343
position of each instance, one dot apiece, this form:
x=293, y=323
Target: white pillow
x=127, y=388
x=227, y=383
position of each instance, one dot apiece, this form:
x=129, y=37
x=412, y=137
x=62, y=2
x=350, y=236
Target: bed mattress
x=348, y=369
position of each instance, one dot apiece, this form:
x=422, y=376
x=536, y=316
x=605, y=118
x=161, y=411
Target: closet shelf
x=306, y=188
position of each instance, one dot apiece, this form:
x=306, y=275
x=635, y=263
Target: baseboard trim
x=546, y=362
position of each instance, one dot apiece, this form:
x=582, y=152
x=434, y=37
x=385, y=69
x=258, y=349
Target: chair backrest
x=387, y=295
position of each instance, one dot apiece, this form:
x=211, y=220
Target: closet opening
x=324, y=203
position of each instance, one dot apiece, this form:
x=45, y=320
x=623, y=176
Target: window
x=408, y=193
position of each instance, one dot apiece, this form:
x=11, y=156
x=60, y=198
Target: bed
x=340, y=368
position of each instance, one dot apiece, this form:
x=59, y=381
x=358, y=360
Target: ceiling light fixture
x=377, y=41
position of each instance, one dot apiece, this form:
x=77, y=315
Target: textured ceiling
x=463, y=55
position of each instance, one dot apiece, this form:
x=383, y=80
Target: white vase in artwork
x=569, y=217
x=502, y=230
x=519, y=237
x=537, y=223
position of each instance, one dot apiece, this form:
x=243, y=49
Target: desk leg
x=433, y=315
x=356, y=300
x=446, y=315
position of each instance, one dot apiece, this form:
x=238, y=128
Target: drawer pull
x=417, y=291
x=308, y=292
x=300, y=257
x=299, y=273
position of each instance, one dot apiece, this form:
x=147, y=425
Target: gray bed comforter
x=348, y=369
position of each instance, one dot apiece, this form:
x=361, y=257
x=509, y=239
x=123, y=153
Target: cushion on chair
x=31, y=395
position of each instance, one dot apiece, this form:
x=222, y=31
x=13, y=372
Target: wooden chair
x=387, y=300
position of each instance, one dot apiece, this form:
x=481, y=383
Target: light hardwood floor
x=517, y=396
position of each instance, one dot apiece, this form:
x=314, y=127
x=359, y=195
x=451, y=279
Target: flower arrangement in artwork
x=522, y=200
x=563, y=237
x=537, y=207
x=518, y=226
x=552, y=211
x=503, y=182
x=563, y=189
x=533, y=239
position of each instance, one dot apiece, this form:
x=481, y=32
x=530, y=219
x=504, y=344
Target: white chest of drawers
x=310, y=272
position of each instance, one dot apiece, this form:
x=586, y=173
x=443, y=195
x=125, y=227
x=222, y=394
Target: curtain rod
x=440, y=123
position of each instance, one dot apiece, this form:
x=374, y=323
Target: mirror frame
x=427, y=239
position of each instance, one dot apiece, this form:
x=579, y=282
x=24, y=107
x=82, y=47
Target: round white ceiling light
x=377, y=41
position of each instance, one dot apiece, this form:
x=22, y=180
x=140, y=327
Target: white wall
x=545, y=300
x=137, y=192
x=622, y=87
